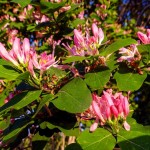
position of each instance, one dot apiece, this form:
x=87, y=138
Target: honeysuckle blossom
x=145, y=38
x=108, y=109
x=43, y=61
x=7, y=55
x=25, y=56
x=129, y=54
x=86, y=45
x=19, y=54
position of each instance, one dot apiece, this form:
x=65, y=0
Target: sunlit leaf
x=101, y=139
x=74, y=97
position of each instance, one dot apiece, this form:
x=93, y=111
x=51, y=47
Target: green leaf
x=128, y=80
x=17, y=127
x=23, y=76
x=23, y=3
x=111, y=62
x=97, y=80
x=74, y=58
x=145, y=52
x=17, y=25
x=78, y=21
x=73, y=131
x=101, y=139
x=73, y=146
x=4, y=62
x=3, y=1
x=8, y=89
x=7, y=72
x=117, y=45
x=50, y=7
x=39, y=142
x=136, y=139
x=43, y=102
x=3, y=124
x=74, y=97
x=21, y=100
x=75, y=9
x=57, y=72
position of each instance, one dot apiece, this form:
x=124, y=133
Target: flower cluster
x=25, y=58
x=86, y=45
x=108, y=109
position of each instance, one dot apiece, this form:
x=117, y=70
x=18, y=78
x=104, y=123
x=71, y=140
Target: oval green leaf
x=100, y=139
x=128, y=80
x=97, y=80
x=74, y=97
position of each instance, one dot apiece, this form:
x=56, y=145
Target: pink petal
x=94, y=126
x=26, y=48
x=30, y=68
x=5, y=55
x=126, y=126
x=100, y=35
x=17, y=49
x=3, y=52
x=148, y=35
x=78, y=38
x=97, y=111
x=95, y=30
x=143, y=37
x=108, y=98
x=126, y=106
x=34, y=59
x=114, y=111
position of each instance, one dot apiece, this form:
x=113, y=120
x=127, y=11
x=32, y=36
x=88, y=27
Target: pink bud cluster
x=86, y=45
x=145, y=38
x=109, y=109
x=25, y=57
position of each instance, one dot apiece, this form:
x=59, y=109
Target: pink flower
x=98, y=33
x=44, y=19
x=44, y=61
x=7, y=55
x=145, y=38
x=26, y=49
x=86, y=45
x=78, y=38
x=31, y=69
x=19, y=54
x=130, y=54
x=81, y=15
